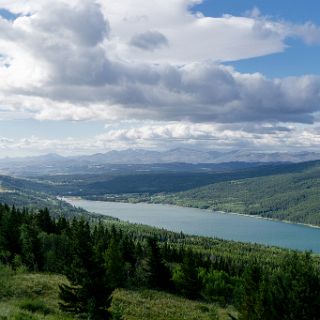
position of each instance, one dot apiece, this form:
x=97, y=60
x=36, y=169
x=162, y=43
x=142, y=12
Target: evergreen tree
x=296, y=288
x=44, y=221
x=158, y=274
x=11, y=220
x=114, y=265
x=251, y=281
x=31, y=247
x=186, y=276
x=88, y=293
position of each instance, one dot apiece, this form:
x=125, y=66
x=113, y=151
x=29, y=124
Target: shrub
x=35, y=306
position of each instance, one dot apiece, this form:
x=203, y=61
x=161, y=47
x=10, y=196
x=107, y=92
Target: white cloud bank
x=147, y=60
x=163, y=136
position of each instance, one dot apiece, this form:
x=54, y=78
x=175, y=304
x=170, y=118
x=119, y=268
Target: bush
x=5, y=281
x=23, y=316
x=35, y=306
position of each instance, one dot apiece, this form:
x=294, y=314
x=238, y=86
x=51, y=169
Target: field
x=33, y=296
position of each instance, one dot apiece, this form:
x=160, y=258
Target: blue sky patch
x=8, y=15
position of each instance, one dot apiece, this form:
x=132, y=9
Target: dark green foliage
x=218, y=286
x=289, y=292
x=250, y=295
x=295, y=288
x=56, y=251
x=35, y=306
x=23, y=316
x=157, y=273
x=10, y=222
x=30, y=247
x=115, y=265
x=263, y=283
x=36, y=201
x=88, y=292
x=44, y=221
x=186, y=276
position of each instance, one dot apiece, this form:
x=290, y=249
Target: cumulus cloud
x=150, y=40
x=145, y=60
x=197, y=93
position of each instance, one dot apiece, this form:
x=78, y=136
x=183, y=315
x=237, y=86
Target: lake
x=208, y=223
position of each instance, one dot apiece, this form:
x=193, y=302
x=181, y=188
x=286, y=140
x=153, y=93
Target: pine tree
x=114, y=265
x=186, y=277
x=44, y=221
x=88, y=293
x=251, y=281
x=10, y=223
x=31, y=247
x=158, y=274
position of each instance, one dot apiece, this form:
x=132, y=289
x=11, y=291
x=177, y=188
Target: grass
x=29, y=296
x=154, y=305
x=34, y=296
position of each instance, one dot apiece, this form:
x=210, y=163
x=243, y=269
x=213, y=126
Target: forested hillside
x=286, y=192
x=247, y=281
x=146, y=182
x=34, y=201
x=293, y=196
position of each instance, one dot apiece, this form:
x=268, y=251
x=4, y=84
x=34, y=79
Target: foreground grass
x=154, y=305
x=28, y=296
x=34, y=296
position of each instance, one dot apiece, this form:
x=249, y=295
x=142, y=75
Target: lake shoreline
x=204, y=222
x=208, y=210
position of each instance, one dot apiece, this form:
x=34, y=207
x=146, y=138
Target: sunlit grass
x=34, y=296
x=154, y=305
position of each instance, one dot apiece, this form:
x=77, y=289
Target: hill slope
x=293, y=196
x=33, y=296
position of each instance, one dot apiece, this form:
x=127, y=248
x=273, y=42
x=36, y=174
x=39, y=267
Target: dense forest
x=99, y=257
x=37, y=200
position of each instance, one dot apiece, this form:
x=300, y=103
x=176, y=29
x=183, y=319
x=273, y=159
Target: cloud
x=197, y=92
x=308, y=32
x=164, y=135
x=145, y=60
x=150, y=40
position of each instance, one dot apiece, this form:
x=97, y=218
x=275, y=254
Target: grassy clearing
x=154, y=305
x=34, y=296
x=25, y=296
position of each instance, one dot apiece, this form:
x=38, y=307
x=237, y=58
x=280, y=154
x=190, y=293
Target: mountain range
x=54, y=163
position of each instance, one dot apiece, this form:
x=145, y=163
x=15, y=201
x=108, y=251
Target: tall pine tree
x=88, y=293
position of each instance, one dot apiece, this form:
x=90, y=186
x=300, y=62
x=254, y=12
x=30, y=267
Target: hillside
x=165, y=275
x=280, y=191
x=293, y=196
x=146, y=182
x=33, y=296
x=34, y=201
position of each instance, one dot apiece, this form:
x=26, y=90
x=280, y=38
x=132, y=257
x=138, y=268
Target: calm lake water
x=208, y=223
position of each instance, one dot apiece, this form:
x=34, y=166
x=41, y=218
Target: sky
x=88, y=76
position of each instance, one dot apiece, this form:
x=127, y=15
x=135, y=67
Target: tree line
x=97, y=257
